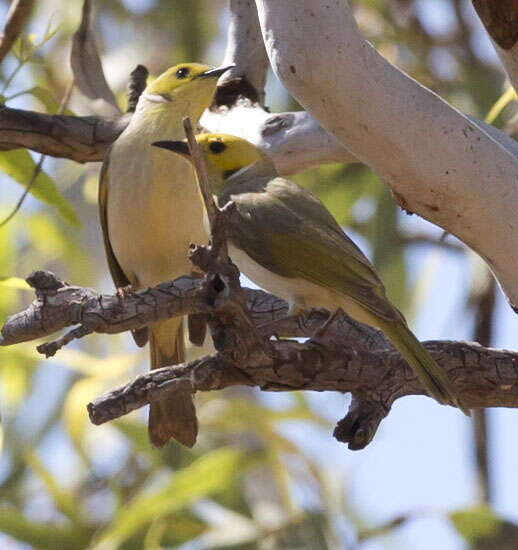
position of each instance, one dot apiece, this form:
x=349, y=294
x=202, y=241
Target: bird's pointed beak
x=216, y=73
x=179, y=147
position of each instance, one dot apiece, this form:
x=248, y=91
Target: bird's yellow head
x=224, y=155
x=183, y=86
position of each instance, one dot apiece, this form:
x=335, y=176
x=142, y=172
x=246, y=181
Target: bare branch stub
x=136, y=85
x=215, y=215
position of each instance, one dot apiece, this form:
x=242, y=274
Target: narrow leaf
x=87, y=68
x=19, y=165
x=39, y=535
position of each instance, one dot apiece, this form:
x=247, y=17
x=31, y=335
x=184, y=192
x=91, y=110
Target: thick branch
x=350, y=358
x=483, y=377
x=441, y=165
x=83, y=139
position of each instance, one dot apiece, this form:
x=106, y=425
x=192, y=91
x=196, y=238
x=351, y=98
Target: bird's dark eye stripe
x=217, y=147
x=182, y=72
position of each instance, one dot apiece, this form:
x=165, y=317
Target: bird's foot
x=321, y=332
x=124, y=291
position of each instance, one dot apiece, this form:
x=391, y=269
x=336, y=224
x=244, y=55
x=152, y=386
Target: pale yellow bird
x=150, y=212
x=285, y=240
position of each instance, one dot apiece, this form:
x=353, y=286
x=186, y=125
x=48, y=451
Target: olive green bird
x=285, y=240
x=150, y=211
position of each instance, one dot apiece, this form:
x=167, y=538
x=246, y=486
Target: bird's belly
x=298, y=292
x=154, y=213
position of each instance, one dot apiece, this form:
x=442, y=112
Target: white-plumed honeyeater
x=150, y=212
x=285, y=240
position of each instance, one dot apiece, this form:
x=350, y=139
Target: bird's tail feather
x=429, y=373
x=175, y=416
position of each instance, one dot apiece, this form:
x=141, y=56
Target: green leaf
x=51, y=105
x=500, y=104
x=475, y=523
x=19, y=165
x=388, y=251
x=212, y=473
x=40, y=535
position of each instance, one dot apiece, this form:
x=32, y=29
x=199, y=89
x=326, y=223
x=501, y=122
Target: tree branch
x=17, y=16
x=351, y=358
x=83, y=139
x=245, y=49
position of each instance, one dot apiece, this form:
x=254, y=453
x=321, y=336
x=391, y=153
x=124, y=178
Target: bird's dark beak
x=179, y=147
x=216, y=73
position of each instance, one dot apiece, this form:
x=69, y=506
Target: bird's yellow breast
x=154, y=211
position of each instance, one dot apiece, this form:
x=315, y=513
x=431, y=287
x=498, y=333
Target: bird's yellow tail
x=174, y=416
x=429, y=373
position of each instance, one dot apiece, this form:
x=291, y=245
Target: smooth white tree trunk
x=438, y=162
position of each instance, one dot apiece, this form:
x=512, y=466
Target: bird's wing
x=118, y=275
x=288, y=230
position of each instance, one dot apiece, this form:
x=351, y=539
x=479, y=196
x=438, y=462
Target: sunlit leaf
x=85, y=389
x=51, y=105
x=20, y=166
x=500, y=104
x=15, y=374
x=74, y=410
x=1, y=436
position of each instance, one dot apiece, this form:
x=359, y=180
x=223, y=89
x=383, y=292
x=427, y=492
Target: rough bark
x=83, y=139
x=349, y=358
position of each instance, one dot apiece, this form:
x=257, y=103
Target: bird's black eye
x=182, y=72
x=217, y=147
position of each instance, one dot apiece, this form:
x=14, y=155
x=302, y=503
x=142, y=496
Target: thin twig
x=483, y=334
x=38, y=167
x=219, y=244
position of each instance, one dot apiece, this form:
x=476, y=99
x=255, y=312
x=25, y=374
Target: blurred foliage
x=483, y=530
x=246, y=484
